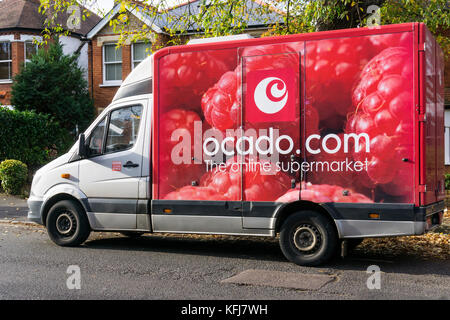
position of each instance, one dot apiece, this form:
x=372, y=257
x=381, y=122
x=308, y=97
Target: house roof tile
x=24, y=14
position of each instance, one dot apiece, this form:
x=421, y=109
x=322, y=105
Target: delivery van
x=322, y=139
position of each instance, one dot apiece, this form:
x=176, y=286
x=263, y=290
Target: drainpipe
x=90, y=63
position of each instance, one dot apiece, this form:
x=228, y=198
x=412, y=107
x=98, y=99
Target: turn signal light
x=374, y=215
x=65, y=176
x=167, y=210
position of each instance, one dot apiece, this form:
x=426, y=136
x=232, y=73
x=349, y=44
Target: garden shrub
x=13, y=174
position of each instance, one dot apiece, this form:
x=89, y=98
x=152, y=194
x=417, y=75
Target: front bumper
x=34, y=212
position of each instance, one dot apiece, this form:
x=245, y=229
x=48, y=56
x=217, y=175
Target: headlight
x=34, y=182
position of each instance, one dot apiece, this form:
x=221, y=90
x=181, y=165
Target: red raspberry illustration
x=185, y=77
x=383, y=104
x=333, y=174
x=332, y=66
x=221, y=104
x=177, y=122
x=381, y=42
x=259, y=184
x=194, y=193
x=323, y=193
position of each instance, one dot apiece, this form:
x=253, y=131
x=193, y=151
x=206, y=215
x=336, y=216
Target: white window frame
x=132, y=54
x=104, y=63
x=9, y=80
x=25, y=49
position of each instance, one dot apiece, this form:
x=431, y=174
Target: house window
x=140, y=51
x=5, y=61
x=30, y=50
x=112, y=64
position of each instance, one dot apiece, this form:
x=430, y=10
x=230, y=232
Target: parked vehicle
x=323, y=138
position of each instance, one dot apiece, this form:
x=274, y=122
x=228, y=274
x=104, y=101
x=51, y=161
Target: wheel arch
x=286, y=210
x=59, y=193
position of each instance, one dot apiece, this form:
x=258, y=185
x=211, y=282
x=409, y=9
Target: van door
x=271, y=108
x=110, y=174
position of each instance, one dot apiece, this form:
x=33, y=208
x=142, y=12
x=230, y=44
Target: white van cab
x=109, y=185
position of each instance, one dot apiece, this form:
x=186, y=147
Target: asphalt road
x=13, y=208
x=193, y=267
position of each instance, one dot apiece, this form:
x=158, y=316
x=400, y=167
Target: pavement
x=13, y=208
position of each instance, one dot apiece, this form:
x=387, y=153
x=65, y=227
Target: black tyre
x=67, y=224
x=132, y=234
x=308, y=238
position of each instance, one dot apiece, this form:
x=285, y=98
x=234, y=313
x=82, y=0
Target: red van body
x=348, y=124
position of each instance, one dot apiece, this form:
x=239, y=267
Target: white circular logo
x=271, y=95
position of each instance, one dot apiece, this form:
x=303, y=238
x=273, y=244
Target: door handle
x=130, y=164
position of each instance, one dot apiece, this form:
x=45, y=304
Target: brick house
x=108, y=66
x=20, y=24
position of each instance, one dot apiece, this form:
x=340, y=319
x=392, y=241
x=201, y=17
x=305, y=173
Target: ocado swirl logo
x=271, y=95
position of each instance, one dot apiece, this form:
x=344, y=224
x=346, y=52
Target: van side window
x=123, y=128
x=96, y=139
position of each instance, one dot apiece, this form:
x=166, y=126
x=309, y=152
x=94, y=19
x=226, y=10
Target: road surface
x=111, y=266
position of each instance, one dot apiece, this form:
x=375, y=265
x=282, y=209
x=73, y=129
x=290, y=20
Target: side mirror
x=81, y=145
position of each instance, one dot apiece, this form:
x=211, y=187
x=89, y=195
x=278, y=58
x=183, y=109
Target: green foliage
x=13, y=174
x=320, y=15
x=53, y=83
x=447, y=181
x=225, y=17
x=30, y=137
x=434, y=13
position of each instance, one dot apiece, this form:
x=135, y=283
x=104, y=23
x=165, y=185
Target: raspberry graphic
x=193, y=193
x=332, y=66
x=258, y=186
x=381, y=42
x=187, y=76
x=221, y=104
x=383, y=104
x=333, y=176
x=180, y=123
x=323, y=193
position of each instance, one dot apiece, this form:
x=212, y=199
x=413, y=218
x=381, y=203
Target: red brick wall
x=103, y=95
x=17, y=57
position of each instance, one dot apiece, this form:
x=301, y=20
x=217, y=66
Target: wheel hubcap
x=307, y=238
x=65, y=224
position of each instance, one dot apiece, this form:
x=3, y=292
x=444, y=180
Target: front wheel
x=67, y=224
x=307, y=238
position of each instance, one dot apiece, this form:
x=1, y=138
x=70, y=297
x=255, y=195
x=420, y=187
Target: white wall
x=70, y=45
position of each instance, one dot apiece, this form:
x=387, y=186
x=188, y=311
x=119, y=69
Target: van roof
x=139, y=81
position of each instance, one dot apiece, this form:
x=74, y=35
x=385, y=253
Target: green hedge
x=30, y=137
x=13, y=174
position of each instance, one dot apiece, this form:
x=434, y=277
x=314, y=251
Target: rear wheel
x=308, y=238
x=67, y=224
